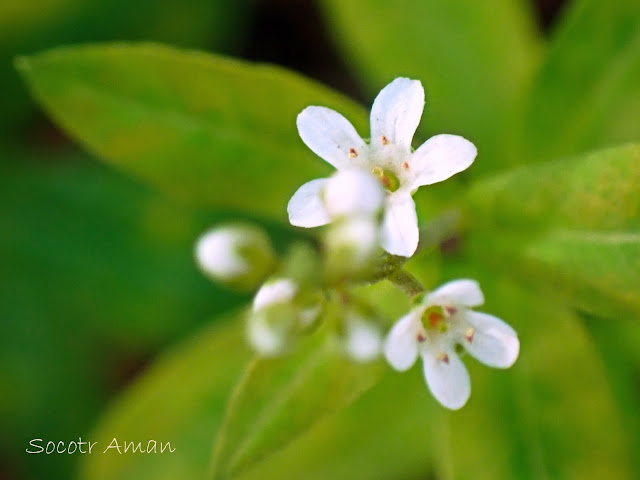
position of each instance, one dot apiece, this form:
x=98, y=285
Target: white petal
x=494, y=343
x=352, y=192
x=363, y=340
x=330, y=136
x=396, y=112
x=400, y=226
x=439, y=158
x=461, y=292
x=266, y=341
x=448, y=381
x=273, y=292
x=306, y=208
x=401, y=345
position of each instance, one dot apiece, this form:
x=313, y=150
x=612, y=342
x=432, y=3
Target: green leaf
x=179, y=400
x=601, y=270
x=593, y=191
x=279, y=399
x=472, y=57
x=387, y=433
x=219, y=132
x=587, y=93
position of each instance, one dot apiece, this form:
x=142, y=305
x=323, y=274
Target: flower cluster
x=368, y=209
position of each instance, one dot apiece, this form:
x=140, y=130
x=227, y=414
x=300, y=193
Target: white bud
x=239, y=256
x=274, y=292
x=358, y=235
x=265, y=339
x=363, y=339
x=278, y=316
x=353, y=192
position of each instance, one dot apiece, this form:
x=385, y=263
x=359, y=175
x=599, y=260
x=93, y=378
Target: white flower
x=363, y=339
x=277, y=316
x=237, y=255
x=442, y=321
x=395, y=116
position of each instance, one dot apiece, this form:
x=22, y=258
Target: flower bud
x=362, y=338
x=239, y=256
x=353, y=192
x=352, y=244
x=279, y=315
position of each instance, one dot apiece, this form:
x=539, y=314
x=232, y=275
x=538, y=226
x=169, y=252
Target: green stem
x=406, y=282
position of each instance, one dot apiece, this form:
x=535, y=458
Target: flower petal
x=401, y=346
x=439, y=158
x=400, y=225
x=330, y=136
x=494, y=343
x=396, y=112
x=448, y=380
x=363, y=340
x=461, y=292
x=306, y=208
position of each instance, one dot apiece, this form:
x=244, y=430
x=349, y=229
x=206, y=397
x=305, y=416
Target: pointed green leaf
x=472, y=57
x=279, y=399
x=219, y=132
x=587, y=93
x=592, y=191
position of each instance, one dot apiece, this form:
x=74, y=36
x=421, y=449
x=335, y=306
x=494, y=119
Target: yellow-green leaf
x=217, y=131
x=279, y=399
x=598, y=190
x=587, y=92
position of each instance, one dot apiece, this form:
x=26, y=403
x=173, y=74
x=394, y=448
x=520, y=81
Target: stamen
x=443, y=357
x=384, y=140
x=469, y=335
x=420, y=337
x=405, y=165
x=353, y=153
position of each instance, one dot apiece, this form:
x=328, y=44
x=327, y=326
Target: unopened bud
x=352, y=245
x=279, y=315
x=239, y=256
x=363, y=338
x=353, y=192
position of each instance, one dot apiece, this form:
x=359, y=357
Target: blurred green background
x=97, y=271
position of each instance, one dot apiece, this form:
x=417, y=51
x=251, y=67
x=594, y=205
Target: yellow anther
x=469, y=335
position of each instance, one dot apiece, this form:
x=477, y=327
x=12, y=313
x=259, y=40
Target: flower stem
x=406, y=282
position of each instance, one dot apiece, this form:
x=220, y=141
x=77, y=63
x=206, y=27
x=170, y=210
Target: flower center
x=386, y=178
x=434, y=318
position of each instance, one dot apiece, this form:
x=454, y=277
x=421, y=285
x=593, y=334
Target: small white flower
x=276, y=316
x=363, y=339
x=388, y=155
x=442, y=321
